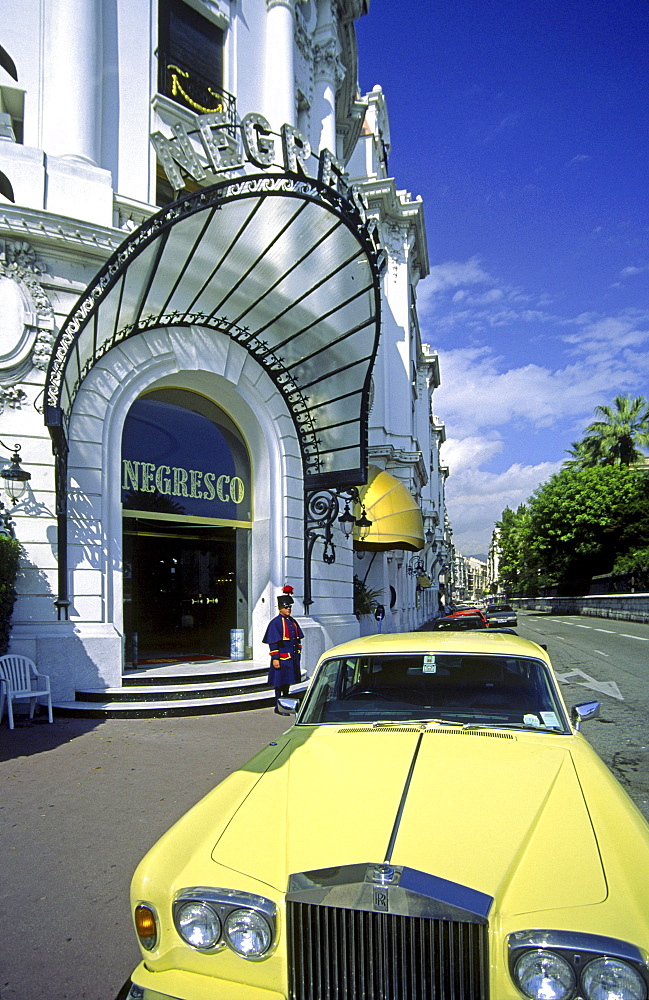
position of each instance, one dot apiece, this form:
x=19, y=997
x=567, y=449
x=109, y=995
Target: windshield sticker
x=550, y=719
x=430, y=666
x=531, y=720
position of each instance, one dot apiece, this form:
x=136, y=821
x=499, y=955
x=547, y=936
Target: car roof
x=471, y=641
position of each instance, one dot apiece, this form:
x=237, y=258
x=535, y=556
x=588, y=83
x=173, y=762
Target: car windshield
x=458, y=688
x=499, y=607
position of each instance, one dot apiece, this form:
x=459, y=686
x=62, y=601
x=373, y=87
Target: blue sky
x=525, y=128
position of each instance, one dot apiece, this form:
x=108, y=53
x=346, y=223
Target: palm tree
x=620, y=433
x=585, y=454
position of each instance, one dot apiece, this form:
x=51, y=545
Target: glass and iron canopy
x=286, y=267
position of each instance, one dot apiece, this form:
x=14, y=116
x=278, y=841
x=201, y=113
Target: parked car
x=469, y=609
x=459, y=622
x=501, y=614
x=434, y=825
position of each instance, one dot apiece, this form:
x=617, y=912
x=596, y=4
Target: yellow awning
x=395, y=515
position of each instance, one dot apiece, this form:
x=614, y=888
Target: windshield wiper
x=416, y=722
x=512, y=725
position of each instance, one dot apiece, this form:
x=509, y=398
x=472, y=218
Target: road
x=81, y=801
x=607, y=661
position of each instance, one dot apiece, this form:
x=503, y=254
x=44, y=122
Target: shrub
x=9, y=561
x=366, y=600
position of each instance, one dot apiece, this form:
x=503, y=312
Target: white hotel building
x=209, y=340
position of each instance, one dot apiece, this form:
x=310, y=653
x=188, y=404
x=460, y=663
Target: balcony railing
x=190, y=89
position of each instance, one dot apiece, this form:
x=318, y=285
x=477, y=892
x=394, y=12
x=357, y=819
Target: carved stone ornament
x=396, y=243
x=303, y=37
x=26, y=316
x=328, y=64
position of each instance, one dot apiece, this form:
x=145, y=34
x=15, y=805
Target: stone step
x=139, y=678
x=110, y=709
x=176, y=700
x=187, y=688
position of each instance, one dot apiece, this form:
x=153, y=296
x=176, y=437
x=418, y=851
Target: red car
x=469, y=611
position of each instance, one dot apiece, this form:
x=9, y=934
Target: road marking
x=604, y=687
x=622, y=635
x=600, y=652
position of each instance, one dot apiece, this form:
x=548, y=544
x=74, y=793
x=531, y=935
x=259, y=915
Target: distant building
x=209, y=334
x=470, y=578
x=493, y=563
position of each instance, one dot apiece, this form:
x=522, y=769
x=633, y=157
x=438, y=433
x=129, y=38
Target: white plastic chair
x=21, y=681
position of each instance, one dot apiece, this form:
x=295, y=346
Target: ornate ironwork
x=416, y=568
x=321, y=511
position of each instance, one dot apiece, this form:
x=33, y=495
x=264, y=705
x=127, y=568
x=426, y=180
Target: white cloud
x=448, y=277
x=476, y=498
x=478, y=392
x=581, y=158
x=461, y=296
x=609, y=333
x=491, y=401
x=633, y=269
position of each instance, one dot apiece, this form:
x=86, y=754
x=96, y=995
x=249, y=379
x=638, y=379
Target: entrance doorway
x=186, y=503
x=184, y=590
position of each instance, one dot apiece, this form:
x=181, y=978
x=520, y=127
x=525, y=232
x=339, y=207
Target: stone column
x=280, y=63
x=71, y=122
x=329, y=73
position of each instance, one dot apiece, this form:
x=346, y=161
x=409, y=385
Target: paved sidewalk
x=81, y=801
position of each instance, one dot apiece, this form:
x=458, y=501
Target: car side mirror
x=586, y=710
x=288, y=706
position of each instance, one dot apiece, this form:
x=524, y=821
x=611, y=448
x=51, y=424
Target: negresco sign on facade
x=216, y=146
x=146, y=477
x=176, y=460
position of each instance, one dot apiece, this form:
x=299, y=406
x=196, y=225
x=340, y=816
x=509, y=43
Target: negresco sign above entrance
x=216, y=146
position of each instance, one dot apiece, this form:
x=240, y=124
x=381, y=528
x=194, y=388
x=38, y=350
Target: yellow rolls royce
x=434, y=826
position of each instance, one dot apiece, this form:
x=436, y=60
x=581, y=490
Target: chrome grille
x=344, y=954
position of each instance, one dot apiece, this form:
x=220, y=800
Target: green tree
x=619, y=434
x=516, y=571
x=585, y=453
x=582, y=520
x=635, y=566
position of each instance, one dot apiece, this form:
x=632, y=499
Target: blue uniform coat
x=283, y=635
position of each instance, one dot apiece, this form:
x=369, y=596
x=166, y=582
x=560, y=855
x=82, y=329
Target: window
x=12, y=113
x=190, y=58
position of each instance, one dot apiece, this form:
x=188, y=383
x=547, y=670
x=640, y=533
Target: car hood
x=500, y=812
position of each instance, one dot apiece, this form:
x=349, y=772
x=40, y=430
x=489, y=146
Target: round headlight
x=248, y=933
x=198, y=925
x=610, y=979
x=542, y=975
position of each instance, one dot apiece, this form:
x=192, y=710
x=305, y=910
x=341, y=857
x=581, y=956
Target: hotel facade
x=210, y=356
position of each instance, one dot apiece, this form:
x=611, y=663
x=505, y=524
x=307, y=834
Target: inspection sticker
x=430, y=666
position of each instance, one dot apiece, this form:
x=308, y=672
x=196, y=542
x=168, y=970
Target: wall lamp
x=416, y=568
x=347, y=521
x=321, y=511
x=14, y=476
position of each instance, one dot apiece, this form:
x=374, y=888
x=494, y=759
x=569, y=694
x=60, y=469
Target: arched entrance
x=287, y=268
x=186, y=507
